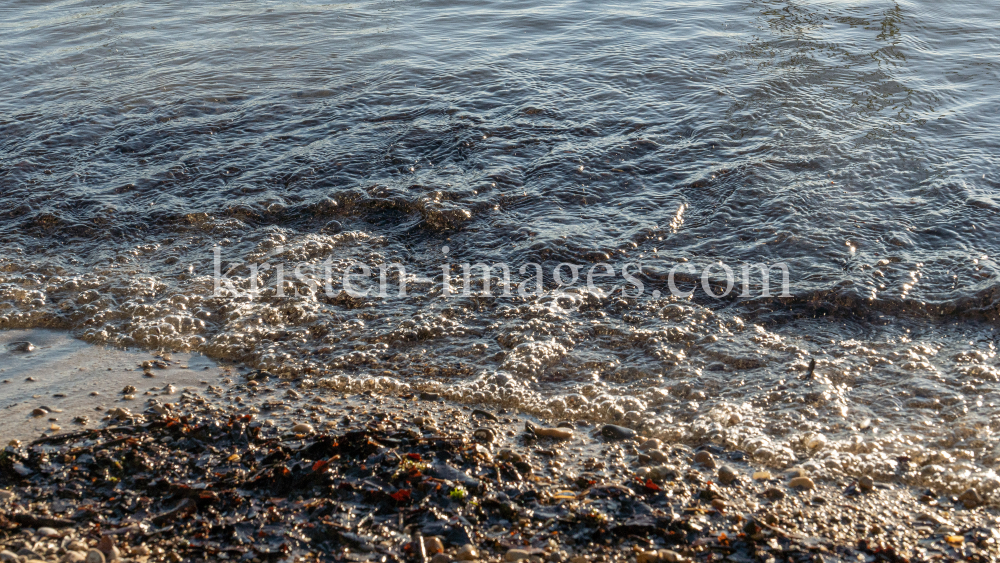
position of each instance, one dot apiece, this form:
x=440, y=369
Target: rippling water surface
x=854, y=141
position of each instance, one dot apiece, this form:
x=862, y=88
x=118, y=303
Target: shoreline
x=361, y=477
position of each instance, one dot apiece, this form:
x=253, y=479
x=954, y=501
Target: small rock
x=668, y=556
x=516, y=555
x=796, y=472
x=615, y=433
x=650, y=444
x=302, y=428
x=761, y=475
x=47, y=532
x=39, y=412
x=727, y=475
x=557, y=433
x=94, y=556
x=426, y=396
x=6, y=496
x=970, y=498
x=332, y=228
x=647, y=557
x=77, y=545
x=802, y=483
x=484, y=435
x=705, y=458
x=774, y=493
x=657, y=455
x=9, y=557
x=129, y=390
x=866, y=484
x=719, y=504
x=441, y=558
x=22, y=346
x=73, y=557
x=467, y=553
x=433, y=545
x=107, y=546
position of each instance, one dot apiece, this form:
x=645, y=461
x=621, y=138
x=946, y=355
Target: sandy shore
x=263, y=470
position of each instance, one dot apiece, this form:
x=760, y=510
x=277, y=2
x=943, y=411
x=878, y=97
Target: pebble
x=429, y=396
x=94, y=556
x=796, y=472
x=719, y=504
x=866, y=484
x=39, y=412
x=705, y=458
x=614, y=432
x=802, y=483
x=647, y=557
x=657, y=456
x=516, y=555
x=557, y=433
x=467, y=553
x=441, y=558
x=47, y=532
x=302, y=428
x=6, y=496
x=761, y=475
x=669, y=556
x=433, y=545
x=107, y=547
x=485, y=414
x=332, y=228
x=22, y=346
x=650, y=444
x=774, y=493
x=970, y=498
x=9, y=556
x=484, y=435
x=73, y=557
x=727, y=475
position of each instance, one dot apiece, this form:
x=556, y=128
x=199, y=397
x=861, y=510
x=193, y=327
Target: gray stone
x=727, y=475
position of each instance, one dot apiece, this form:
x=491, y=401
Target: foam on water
x=854, y=143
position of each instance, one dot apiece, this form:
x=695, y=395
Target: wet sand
x=70, y=379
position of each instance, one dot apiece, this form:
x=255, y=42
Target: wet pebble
x=516, y=555
x=866, y=484
x=46, y=532
x=705, y=459
x=802, y=483
x=761, y=475
x=615, y=433
x=970, y=498
x=774, y=493
x=441, y=558
x=556, y=433
x=433, y=545
x=21, y=346
x=302, y=428
x=484, y=435
x=650, y=444
x=467, y=553
x=727, y=475
x=94, y=556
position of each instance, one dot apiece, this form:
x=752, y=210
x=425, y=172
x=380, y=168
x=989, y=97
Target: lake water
x=856, y=143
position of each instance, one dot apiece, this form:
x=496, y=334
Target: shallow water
x=77, y=383
x=854, y=142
